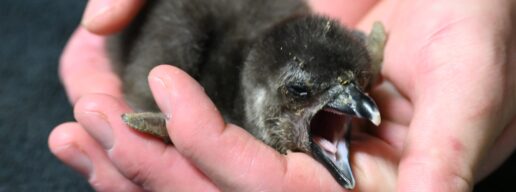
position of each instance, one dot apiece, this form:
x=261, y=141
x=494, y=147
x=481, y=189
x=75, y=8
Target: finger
x=105, y=17
x=227, y=154
x=140, y=158
x=349, y=12
x=386, y=11
x=374, y=163
x=393, y=106
x=457, y=94
x=396, y=113
x=70, y=143
x=84, y=67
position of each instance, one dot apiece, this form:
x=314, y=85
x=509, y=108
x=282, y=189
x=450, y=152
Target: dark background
x=32, y=101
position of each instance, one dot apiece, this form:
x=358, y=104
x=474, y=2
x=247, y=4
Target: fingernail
x=162, y=90
x=97, y=125
x=95, y=9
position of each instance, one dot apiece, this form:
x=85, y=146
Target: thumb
x=233, y=159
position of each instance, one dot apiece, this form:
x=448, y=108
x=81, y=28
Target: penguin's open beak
x=351, y=101
x=330, y=146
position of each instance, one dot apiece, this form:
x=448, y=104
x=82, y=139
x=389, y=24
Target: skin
x=451, y=123
x=462, y=100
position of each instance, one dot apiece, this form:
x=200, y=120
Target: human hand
x=84, y=70
x=117, y=158
x=366, y=148
x=454, y=62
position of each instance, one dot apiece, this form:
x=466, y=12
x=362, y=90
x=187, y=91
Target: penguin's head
x=304, y=81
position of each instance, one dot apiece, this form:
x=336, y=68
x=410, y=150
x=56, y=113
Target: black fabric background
x=32, y=36
x=32, y=101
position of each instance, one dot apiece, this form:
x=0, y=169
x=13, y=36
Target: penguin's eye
x=299, y=91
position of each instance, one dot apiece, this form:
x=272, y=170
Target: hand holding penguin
x=391, y=134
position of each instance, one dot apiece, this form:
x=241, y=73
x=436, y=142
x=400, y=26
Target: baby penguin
x=292, y=79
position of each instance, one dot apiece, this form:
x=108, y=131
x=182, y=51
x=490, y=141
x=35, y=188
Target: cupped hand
x=454, y=62
x=209, y=155
x=431, y=124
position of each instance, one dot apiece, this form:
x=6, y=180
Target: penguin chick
x=291, y=78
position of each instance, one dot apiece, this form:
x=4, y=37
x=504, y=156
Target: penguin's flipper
x=148, y=122
x=375, y=45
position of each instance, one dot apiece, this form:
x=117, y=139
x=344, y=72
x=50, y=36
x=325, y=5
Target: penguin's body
x=269, y=66
x=204, y=38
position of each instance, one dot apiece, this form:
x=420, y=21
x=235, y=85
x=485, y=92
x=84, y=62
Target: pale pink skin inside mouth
x=326, y=145
x=330, y=129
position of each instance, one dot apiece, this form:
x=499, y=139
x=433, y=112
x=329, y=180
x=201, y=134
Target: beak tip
x=350, y=186
x=376, y=120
